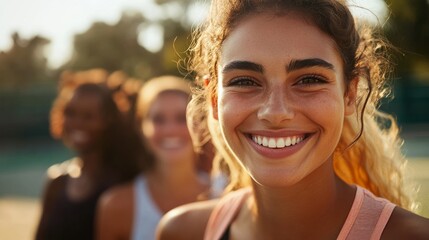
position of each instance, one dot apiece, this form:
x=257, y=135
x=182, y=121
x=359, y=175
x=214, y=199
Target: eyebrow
x=243, y=65
x=295, y=64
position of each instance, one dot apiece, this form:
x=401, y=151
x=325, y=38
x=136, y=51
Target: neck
x=174, y=174
x=321, y=202
x=174, y=185
x=91, y=163
x=85, y=182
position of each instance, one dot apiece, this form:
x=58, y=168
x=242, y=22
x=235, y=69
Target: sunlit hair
x=117, y=95
x=151, y=90
x=368, y=153
x=154, y=87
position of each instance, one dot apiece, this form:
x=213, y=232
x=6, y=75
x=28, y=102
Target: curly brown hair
x=122, y=148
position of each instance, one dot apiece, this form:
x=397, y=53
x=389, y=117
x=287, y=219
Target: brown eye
x=310, y=80
x=243, y=82
x=68, y=112
x=158, y=120
x=181, y=118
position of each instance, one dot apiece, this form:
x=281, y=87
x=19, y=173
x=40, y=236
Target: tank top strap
x=147, y=214
x=224, y=213
x=367, y=217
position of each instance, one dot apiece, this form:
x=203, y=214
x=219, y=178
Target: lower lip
x=278, y=152
x=171, y=148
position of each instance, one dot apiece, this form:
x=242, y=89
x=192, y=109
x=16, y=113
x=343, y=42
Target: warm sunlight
x=59, y=21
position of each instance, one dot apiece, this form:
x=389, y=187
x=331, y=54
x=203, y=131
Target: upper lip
x=278, y=133
x=172, y=141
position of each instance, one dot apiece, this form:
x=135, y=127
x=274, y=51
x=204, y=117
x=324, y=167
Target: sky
x=60, y=20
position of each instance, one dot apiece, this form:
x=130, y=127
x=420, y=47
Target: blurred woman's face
x=84, y=123
x=165, y=128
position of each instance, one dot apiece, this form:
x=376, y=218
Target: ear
x=213, y=98
x=214, y=107
x=350, y=97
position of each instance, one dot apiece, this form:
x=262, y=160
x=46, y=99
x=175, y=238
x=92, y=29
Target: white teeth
x=79, y=136
x=272, y=143
x=171, y=143
x=288, y=142
x=265, y=141
x=277, y=142
x=280, y=143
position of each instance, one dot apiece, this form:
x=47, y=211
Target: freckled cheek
x=229, y=117
x=232, y=109
x=149, y=130
x=184, y=132
x=326, y=111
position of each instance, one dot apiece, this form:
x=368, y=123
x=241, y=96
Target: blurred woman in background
x=91, y=116
x=171, y=178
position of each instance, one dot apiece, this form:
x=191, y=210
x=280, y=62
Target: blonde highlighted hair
x=154, y=87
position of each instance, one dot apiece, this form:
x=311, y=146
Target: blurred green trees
x=117, y=47
x=24, y=63
x=112, y=47
x=408, y=29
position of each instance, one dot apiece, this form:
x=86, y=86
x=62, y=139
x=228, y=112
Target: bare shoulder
x=186, y=222
x=404, y=224
x=115, y=211
x=117, y=199
x=52, y=188
x=118, y=194
x=57, y=175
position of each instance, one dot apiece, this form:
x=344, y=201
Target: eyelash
x=315, y=79
x=306, y=81
x=240, y=80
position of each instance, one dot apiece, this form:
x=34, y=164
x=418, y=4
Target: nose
x=276, y=107
x=174, y=127
x=73, y=121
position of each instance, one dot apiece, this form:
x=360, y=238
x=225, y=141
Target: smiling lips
x=172, y=143
x=277, y=142
x=79, y=136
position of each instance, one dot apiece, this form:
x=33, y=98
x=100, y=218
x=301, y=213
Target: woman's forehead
x=170, y=102
x=265, y=35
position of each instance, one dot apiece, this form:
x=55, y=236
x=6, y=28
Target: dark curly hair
x=122, y=147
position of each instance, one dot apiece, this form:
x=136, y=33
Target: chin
x=275, y=179
x=174, y=156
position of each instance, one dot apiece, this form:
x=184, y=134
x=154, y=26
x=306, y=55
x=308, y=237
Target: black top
x=66, y=218
x=225, y=235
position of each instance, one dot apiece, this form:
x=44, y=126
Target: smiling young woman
x=291, y=89
x=87, y=117
x=170, y=177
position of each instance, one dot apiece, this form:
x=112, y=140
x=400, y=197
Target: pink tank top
x=366, y=220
